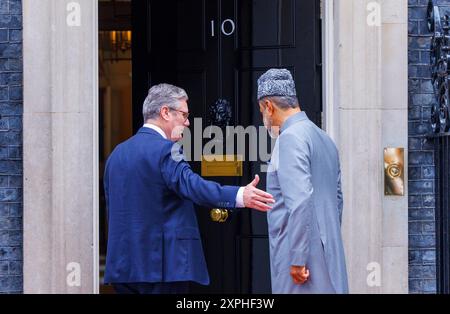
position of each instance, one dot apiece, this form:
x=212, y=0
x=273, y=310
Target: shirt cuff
x=240, y=198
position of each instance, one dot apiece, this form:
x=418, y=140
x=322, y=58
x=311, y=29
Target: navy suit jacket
x=153, y=234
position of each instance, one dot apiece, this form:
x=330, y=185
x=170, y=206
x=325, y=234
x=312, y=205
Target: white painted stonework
x=370, y=92
x=60, y=146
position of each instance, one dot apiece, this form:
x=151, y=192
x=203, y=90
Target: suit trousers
x=179, y=287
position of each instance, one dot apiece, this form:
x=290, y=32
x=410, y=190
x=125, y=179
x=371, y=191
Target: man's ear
x=270, y=106
x=164, y=113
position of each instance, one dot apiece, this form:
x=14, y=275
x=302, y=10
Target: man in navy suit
x=154, y=243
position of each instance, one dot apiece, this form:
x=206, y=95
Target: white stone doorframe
x=330, y=123
x=366, y=110
x=60, y=135
x=61, y=223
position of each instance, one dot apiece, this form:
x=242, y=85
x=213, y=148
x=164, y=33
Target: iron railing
x=439, y=26
x=441, y=153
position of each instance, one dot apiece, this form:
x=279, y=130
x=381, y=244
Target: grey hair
x=284, y=102
x=160, y=95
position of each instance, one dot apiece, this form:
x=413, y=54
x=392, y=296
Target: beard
x=273, y=131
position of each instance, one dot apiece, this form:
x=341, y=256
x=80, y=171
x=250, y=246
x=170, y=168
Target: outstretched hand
x=256, y=198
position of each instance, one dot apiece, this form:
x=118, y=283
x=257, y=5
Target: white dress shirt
x=240, y=193
x=156, y=128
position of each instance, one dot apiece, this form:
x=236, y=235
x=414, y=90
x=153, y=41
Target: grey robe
x=305, y=222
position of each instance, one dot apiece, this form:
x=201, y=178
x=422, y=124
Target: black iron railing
x=442, y=215
x=439, y=26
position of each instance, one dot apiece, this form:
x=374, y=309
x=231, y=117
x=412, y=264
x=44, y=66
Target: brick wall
x=11, y=229
x=422, y=237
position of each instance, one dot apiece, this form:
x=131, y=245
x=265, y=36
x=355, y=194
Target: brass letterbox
x=222, y=166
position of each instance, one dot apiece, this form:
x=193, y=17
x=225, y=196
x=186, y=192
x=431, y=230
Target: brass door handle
x=219, y=215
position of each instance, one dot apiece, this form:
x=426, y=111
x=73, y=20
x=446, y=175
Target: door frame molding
x=96, y=161
x=330, y=111
x=60, y=141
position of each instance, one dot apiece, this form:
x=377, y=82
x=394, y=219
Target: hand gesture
x=256, y=198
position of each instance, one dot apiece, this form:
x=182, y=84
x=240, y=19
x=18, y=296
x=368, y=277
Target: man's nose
x=186, y=123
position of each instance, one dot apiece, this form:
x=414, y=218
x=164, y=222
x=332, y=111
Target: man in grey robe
x=306, y=249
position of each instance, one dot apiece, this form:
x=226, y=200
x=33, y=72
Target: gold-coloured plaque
x=219, y=215
x=222, y=166
x=394, y=161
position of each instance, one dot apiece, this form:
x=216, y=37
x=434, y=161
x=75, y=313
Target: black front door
x=216, y=49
